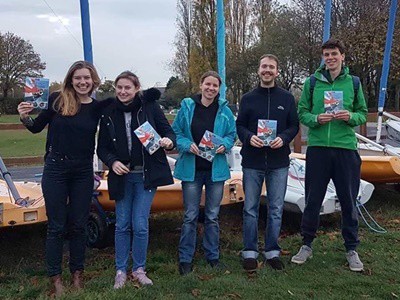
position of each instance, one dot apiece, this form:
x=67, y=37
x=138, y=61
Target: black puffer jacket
x=113, y=144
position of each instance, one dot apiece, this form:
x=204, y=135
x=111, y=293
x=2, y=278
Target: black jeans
x=67, y=186
x=343, y=167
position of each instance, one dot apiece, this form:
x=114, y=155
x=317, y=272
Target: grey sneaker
x=140, y=276
x=354, y=261
x=120, y=279
x=301, y=257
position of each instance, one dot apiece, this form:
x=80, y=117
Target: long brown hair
x=67, y=103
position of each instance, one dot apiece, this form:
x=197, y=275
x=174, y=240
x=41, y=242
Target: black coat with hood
x=113, y=143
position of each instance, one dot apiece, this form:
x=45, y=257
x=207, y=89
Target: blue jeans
x=132, y=212
x=67, y=186
x=276, y=181
x=192, y=191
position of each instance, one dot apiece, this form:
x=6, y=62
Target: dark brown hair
x=332, y=44
x=212, y=74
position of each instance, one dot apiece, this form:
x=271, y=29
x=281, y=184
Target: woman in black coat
x=134, y=174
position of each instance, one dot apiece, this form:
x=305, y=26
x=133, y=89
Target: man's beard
x=267, y=82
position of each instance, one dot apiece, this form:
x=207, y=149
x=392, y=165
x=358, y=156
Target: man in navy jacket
x=269, y=163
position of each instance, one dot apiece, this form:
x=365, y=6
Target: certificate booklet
x=37, y=92
x=266, y=130
x=148, y=137
x=209, y=144
x=333, y=101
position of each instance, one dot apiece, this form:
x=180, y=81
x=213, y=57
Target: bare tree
x=309, y=23
x=238, y=38
x=17, y=60
x=183, y=41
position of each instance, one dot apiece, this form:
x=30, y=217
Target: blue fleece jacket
x=224, y=127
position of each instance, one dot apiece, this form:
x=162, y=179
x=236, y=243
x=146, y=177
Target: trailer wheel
x=97, y=229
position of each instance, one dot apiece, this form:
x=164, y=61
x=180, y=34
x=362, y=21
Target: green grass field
x=21, y=143
x=9, y=119
x=326, y=276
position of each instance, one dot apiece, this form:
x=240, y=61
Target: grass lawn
x=326, y=276
x=9, y=119
x=20, y=143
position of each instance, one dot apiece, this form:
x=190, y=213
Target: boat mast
x=88, y=56
x=327, y=20
x=86, y=35
x=385, y=67
x=221, y=45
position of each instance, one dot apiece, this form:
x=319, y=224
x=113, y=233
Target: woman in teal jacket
x=205, y=111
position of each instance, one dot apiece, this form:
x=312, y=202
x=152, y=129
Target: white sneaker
x=120, y=279
x=301, y=257
x=354, y=261
x=140, y=276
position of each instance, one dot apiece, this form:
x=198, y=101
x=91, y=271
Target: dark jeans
x=67, y=186
x=343, y=167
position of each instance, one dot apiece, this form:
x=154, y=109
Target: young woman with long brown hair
x=67, y=183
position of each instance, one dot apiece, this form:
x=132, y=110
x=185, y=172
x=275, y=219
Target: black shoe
x=275, y=263
x=217, y=265
x=185, y=268
x=250, y=264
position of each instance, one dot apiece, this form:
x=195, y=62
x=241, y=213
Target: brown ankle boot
x=57, y=285
x=77, y=279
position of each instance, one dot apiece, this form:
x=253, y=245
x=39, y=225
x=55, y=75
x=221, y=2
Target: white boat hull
x=295, y=192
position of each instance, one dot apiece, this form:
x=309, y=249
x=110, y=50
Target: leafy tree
x=175, y=91
x=294, y=34
x=204, y=41
x=17, y=60
x=55, y=86
x=106, y=89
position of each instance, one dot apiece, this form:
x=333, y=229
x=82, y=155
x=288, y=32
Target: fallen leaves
x=205, y=277
x=196, y=292
x=233, y=296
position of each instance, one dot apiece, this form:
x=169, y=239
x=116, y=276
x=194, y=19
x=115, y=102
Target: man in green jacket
x=331, y=106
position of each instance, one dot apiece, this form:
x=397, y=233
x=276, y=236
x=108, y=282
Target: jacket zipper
x=114, y=138
x=144, y=168
x=269, y=103
x=329, y=125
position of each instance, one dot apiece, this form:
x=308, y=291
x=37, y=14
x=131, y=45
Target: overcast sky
x=134, y=35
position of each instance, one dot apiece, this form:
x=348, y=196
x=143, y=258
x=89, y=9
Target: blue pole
x=385, y=67
x=327, y=23
x=221, y=45
x=386, y=56
x=327, y=20
x=87, y=39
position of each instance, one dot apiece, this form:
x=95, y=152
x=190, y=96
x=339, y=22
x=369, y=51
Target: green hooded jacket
x=336, y=133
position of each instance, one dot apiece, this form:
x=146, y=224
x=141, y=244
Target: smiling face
x=333, y=59
x=209, y=88
x=267, y=72
x=126, y=90
x=82, y=82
